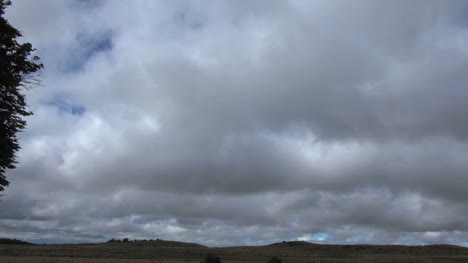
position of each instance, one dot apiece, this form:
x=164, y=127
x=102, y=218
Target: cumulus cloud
x=244, y=123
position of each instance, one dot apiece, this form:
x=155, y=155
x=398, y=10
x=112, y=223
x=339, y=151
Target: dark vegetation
x=156, y=242
x=7, y=241
x=275, y=259
x=211, y=259
x=17, y=68
x=172, y=251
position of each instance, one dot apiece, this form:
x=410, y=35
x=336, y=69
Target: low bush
x=275, y=259
x=211, y=259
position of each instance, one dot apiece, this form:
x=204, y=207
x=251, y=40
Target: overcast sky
x=244, y=122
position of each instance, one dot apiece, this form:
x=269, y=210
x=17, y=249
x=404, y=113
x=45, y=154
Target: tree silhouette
x=17, y=68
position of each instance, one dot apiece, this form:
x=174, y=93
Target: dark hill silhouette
x=8, y=241
x=157, y=243
x=174, y=252
x=166, y=243
x=293, y=244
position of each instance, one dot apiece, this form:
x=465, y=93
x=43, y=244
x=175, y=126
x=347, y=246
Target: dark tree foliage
x=17, y=68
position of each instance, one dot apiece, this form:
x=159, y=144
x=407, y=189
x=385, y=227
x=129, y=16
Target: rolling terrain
x=172, y=252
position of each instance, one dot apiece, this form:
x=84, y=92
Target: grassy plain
x=176, y=252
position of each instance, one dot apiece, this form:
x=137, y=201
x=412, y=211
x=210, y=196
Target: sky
x=243, y=122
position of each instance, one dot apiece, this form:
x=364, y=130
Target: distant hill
x=165, y=243
x=178, y=252
x=8, y=241
x=156, y=242
x=292, y=244
x=372, y=249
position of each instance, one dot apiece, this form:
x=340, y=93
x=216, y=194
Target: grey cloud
x=245, y=123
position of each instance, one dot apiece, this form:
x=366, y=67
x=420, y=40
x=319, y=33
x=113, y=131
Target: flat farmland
x=177, y=252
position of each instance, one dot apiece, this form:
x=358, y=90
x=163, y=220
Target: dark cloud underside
x=244, y=123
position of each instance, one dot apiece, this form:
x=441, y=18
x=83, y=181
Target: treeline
x=126, y=240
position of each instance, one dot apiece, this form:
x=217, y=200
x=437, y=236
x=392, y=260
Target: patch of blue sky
x=67, y=107
x=87, y=47
x=316, y=237
x=354, y=240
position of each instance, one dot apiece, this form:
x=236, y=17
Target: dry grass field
x=176, y=252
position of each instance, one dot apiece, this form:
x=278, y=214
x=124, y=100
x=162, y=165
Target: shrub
x=275, y=259
x=211, y=259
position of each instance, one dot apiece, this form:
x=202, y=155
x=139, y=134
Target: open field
x=172, y=252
